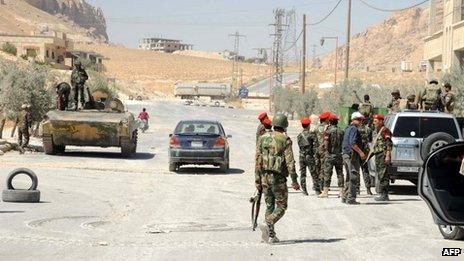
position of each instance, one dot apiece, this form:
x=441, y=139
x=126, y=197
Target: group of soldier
x=63, y=90
x=431, y=98
x=321, y=149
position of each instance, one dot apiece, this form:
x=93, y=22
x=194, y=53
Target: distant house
x=94, y=58
x=231, y=55
x=163, y=45
x=44, y=48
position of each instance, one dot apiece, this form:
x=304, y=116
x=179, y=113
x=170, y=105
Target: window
x=423, y=127
x=405, y=126
x=47, y=54
x=53, y=55
x=198, y=128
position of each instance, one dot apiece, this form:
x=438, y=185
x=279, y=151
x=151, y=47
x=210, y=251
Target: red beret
x=379, y=117
x=262, y=116
x=325, y=115
x=267, y=122
x=305, y=121
x=334, y=117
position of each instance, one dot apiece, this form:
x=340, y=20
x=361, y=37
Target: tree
x=456, y=78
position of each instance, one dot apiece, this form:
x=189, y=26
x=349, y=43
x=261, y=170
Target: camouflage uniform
x=78, y=79
x=273, y=165
x=381, y=146
x=430, y=97
x=333, y=138
x=260, y=131
x=366, y=137
x=394, y=105
x=24, y=123
x=448, y=100
x=320, y=152
x=307, y=142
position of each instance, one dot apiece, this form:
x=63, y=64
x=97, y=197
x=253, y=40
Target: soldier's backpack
x=272, y=152
x=366, y=108
x=335, y=136
x=431, y=94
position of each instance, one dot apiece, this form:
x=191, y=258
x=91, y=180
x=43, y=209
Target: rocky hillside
x=77, y=11
x=385, y=45
x=22, y=17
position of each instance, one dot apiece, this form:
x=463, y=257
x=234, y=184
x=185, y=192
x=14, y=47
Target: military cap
x=334, y=117
x=305, y=121
x=379, y=117
x=325, y=115
x=395, y=92
x=267, y=122
x=262, y=116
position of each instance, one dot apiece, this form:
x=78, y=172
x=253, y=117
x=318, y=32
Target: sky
x=207, y=24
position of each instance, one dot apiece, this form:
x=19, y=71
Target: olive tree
x=456, y=78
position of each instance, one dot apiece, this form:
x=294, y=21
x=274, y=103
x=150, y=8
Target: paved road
x=96, y=206
x=262, y=87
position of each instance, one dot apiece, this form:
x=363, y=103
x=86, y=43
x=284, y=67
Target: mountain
x=383, y=46
x=79, y=20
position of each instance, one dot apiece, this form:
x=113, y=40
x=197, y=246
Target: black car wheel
x=173, y=167
x=434, y=142
x=451, y=232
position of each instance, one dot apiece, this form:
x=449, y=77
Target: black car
x=441, y=185
x=198, y=142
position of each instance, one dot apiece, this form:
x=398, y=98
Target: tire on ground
x=457, y=233
x=172, y=167
x=21, y=196
x=430, y=143
x=28, y=172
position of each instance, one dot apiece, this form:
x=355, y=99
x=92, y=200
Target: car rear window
x=420, y=127
x=198, y=128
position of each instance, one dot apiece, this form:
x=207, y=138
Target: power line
x=327, y=16
x=294, y=43
x=391, y=10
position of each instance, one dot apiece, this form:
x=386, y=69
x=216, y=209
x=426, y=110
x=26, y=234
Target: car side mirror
x=170, y=135
x=229, y=136
x=441, y=183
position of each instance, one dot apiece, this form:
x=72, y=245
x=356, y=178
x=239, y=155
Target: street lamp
x=336, y=53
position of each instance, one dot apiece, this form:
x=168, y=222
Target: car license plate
x=405, y=154
x=408, y=169
x=196, y=144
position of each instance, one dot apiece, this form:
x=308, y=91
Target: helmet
x=77, y=63
x=281, y=121
x=447, y=85
x=395, y=92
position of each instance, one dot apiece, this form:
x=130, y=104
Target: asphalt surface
x=97, y=206
x=262, y=87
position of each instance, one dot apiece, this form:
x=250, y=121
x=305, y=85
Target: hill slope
x=385, y=45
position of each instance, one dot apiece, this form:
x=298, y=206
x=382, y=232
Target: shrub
x=9, y=48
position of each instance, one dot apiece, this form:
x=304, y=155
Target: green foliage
x=9, y=48
x=456, y=78
x=24, y=85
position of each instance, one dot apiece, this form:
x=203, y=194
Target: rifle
x=255, y=206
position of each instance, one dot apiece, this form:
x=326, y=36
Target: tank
x=98, y=125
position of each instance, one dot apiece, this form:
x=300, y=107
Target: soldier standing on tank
x=78, y=79
x=333, y=138
x=394, y=105
x=307, y=142
x=352, y=154
x=382, y=146
x=366, y=137
x=62, y=92
x=24, y=123
x=320, y=151
x=274, y=164
x=448, y=99
x=261, y=128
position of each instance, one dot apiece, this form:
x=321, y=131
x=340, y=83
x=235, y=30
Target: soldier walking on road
x=352, y=153
x=78, y=79
x=320, y=150
x=366, y=137
x=261, y=128
x=333, y=138
x=274, y=163
x=24, y=123
x=448, y=99
x=381, y=148
x=394, y=105
x=307, y=142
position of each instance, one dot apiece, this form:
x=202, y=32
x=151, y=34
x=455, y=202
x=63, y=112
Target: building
x=163, y=45
x=231, y=55
x=444, y=45
x=92, y=57
x=44, y=48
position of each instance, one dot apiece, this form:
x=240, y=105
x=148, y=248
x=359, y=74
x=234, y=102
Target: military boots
x=325, y=193
x=383, y=196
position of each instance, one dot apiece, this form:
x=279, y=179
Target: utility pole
x=235, y=64
x=303, y=65
x=348, y=38
x=277, y=47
